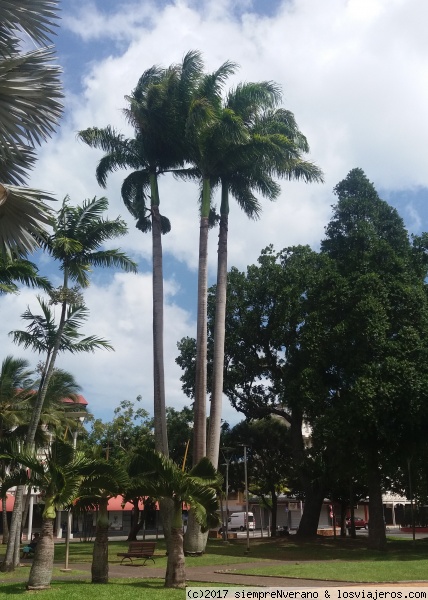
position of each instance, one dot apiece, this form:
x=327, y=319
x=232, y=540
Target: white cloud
x=355, y=74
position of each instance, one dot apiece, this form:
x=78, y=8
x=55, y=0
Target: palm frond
x=30, y=98
x=23, y=214
x=35, y=17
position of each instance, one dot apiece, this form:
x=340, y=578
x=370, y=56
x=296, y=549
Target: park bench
x=139, y=550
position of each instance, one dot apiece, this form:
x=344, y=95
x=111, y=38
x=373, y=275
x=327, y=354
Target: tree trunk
x=377, y=535
x=4, y=522
x=12, y=557
x=200, y=425
x=274, y=513
x=314, y=497
x=176, y=567
x=194, y=541
x=99, y=569
x=42, y=567
x=137, y=522
x=213, y=446
x=161, y=436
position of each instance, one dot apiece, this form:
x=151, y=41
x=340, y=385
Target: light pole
x=226, y=464
x=79, y=421
x=246, y=498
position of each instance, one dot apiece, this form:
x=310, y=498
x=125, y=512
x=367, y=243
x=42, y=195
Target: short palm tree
x=157, y=110
x=163, y=478
x=59, y=475
x=30, y=108
x=95, y=496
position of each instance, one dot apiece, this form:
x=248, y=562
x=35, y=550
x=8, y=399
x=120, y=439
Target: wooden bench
x=139, y=550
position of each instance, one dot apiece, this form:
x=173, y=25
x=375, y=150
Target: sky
x=353, y=72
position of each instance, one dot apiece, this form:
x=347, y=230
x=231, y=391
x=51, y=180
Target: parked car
x=358, y=521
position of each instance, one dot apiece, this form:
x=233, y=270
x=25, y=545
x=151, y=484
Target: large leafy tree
x=264, y=369
x=157, y=110
x=367, y=332
x=30, y=108
x=269, y=459
x=162, y=478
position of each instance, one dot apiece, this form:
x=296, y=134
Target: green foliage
x=162, y=478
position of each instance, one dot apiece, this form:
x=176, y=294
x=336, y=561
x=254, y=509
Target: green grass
x=365, y=572
x=324, y=559
x=217, y=553
x=125, y=589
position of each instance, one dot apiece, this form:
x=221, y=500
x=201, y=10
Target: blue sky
x=355, y=74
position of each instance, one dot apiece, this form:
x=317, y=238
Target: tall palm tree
x=163, y=478
x=60, y=475
x=76, y=240
x=273, y=146
x=30, y=108
x=206, y=123
x=157, y=110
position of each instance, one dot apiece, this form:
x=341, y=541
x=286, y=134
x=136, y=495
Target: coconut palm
x=273, y=147
x=60, y=475
x=163, y=478
x=157, y=110
x=30, y=108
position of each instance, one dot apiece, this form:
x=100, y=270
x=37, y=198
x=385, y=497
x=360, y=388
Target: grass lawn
x=125, y=589
x=324, y=559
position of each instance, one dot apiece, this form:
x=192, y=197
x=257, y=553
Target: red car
x=358, y=521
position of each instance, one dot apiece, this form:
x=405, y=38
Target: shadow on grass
x=321, y=549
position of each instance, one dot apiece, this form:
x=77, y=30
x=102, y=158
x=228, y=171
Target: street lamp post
x=246, y=498
x=79, y=421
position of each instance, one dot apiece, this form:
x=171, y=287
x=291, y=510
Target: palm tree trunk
x=41, y=569
x=161, y=436
x=4, y=521
x=175, y=576
x=159, y=409
x=12, y=557
x=199, y=429
x=99, y=567
x=195, y=541
x=213, y=446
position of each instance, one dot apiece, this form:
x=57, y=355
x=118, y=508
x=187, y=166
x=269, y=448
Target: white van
x=238, y=520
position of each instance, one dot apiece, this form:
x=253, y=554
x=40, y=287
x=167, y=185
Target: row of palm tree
x=64, y=475
x=240, y=142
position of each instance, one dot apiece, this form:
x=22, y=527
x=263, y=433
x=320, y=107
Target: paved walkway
x=204, y=574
